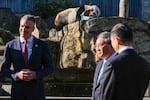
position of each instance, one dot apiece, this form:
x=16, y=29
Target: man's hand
x=26, y=75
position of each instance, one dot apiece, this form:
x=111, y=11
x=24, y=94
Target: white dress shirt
x=29, y=45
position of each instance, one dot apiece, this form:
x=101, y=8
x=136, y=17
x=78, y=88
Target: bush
x=1, y=41
x=45, y=10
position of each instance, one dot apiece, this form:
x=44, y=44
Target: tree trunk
x=124, y=8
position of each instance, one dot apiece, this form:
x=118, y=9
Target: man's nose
x=23, y=28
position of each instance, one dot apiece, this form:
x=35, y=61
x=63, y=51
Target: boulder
x=8, y=20
x=6, y=35
x=76, y=40
x=41, y=29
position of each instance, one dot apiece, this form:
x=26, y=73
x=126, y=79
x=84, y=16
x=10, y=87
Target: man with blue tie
x=31, y=61
x=103, y=73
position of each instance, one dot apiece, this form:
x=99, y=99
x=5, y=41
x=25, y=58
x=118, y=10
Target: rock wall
x=76, y=41
x=8, y=20
x=6, y=35
x=41, y=28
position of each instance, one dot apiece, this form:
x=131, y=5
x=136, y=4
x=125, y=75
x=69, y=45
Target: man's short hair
x=29, y=17
x=106, y=36
x=123, y=31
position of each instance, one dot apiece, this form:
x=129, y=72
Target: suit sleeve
x=109, y=84
x=46, y=62
x=6, y=63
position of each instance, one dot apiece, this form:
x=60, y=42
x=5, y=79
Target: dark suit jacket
x=131, y=76
x=40, y=61
x=102, y=89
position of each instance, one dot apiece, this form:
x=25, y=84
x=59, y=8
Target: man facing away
x=103, y=73
x=131, y=71
x=31, y=61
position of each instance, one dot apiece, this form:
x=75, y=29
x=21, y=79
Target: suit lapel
x=34, y=50
x=18, y=44
x=97, y=70
x=18, y=47
x=107, y=69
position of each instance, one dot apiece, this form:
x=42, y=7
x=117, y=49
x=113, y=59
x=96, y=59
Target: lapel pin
x=36, y=45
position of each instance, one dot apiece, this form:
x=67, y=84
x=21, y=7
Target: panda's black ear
x=79, y=12
x=91, y=4
x=98, y=6
x=81, y=8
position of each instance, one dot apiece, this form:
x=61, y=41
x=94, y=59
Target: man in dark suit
x=131, y=71
x=102, y=77
x=31, y=61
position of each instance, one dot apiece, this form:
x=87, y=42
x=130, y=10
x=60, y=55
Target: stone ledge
x=59, y=89
x=69, y=89
x=62, y=98
x=62, y=89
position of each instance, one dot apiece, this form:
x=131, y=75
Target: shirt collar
x=29, y=40
x=114, y=54
x=125, y=48
x=104, y=60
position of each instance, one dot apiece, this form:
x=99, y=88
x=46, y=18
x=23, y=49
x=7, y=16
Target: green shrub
x=45, y=10
x=1, y=41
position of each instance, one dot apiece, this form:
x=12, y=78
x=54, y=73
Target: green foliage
x=46, y=10
x=1, y=41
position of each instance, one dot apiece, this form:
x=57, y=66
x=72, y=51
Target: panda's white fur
x=67, y=16
x=71, y=15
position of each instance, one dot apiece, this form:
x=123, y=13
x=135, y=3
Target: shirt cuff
x=14, y=76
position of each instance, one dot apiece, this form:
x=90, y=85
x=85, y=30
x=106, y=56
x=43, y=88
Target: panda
x=71, y=15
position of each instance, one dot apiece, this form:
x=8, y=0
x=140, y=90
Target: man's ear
x=118, y=40
x=34, y=27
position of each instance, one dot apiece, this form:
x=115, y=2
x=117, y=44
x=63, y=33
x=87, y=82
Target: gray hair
x=29, y=17
x=106, y=36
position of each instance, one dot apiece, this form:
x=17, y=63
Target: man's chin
x=23, y=37
x=100, y=56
